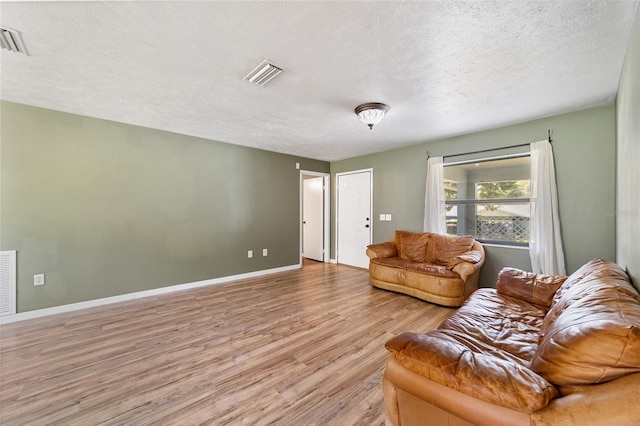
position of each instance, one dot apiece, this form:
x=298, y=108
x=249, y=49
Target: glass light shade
x=371, y=113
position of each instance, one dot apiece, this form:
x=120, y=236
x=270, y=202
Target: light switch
x=383, y=217
x=388, y=218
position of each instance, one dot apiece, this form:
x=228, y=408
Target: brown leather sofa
x=431, y=267
x=538, y=350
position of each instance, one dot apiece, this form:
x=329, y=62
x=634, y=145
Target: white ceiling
x=445, y=68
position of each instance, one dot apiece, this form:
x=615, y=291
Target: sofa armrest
x=612, y=403
x=534, y=288
x=464, y=269
x=462, y=363
x=473, y=257
x=387, y=249
x=454, y=404
x=468, y=263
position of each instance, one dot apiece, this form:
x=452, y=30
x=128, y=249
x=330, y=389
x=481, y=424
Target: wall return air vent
x=263, y=73
x=11, y=40
x=7, y=282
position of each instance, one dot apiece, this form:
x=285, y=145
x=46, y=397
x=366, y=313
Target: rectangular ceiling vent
x=11, y=40
x=263, y=73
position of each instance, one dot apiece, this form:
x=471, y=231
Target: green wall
x=627, y=211
x=105, y=208
x=584, y=151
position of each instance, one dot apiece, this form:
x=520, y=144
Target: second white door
x=312, y=218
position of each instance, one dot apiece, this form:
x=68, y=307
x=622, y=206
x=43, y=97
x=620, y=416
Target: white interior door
x=354, y=218
x=312, y=218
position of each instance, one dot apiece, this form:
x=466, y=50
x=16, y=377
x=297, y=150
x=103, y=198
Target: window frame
x=477, y=201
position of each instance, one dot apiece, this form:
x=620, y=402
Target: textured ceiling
x=445, y=68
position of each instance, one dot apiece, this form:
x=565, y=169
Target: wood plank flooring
x=303, y=347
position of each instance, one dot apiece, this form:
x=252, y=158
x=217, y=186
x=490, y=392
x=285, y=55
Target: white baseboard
x=39, y=313
x=333, y=261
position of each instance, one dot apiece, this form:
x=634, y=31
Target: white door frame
x=326, y=214
x=351, y=172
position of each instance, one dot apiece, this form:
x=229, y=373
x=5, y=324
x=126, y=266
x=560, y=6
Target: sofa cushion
x=472, y=256
x=441, y=249
x=411, y=246
x=422, y=267
x=592, y=332
x=428, y=268
x=591, y=275
x=596, y=268
x=391, y=262
x=462, y=363
x=509, y=323
x=534, y=288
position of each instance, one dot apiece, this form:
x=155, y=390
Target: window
x=489, y=199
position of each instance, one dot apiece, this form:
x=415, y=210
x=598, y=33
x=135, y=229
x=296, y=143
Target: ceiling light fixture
x=371, y=113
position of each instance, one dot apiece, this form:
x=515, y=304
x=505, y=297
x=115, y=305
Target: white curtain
x=434, y=208
x=545, y=242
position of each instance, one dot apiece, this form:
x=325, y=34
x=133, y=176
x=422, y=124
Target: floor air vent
x=7, y=283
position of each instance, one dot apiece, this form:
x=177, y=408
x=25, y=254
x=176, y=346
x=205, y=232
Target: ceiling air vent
x=11, y=40
x=263, y=73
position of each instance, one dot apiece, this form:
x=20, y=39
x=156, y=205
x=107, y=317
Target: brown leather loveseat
x=431, y=267
x=538, y=350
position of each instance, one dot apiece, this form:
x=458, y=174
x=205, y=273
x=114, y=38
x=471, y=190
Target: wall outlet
x=264, y=252
x=250, y=254
x=297, y=166
x=38, y=279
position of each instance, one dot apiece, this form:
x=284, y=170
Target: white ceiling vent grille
x=263, y=73
x=11, y=40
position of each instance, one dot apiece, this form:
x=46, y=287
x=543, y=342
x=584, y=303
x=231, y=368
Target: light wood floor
x=304, y=347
